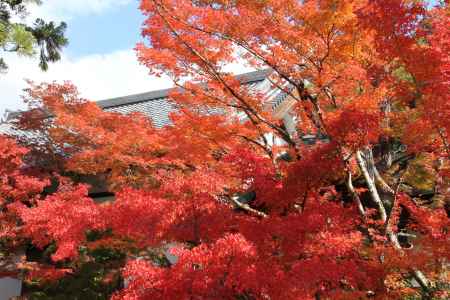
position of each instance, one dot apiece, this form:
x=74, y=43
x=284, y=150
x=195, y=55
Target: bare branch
x=247, y=207
x=371, y=185
x=355, y=195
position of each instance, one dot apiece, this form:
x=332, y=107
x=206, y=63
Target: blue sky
x=117, y=28
x=99, y=60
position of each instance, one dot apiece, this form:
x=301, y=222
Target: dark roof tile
x=156, y=104
x=246, y=78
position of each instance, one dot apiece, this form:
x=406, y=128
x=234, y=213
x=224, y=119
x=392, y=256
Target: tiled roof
x=157, y=106
x=157, y=109
x=246, y=78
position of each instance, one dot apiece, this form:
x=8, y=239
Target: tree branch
x=247, y=207
x=355, y=195
x=371, y=185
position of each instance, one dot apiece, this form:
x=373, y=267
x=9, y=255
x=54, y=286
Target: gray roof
x=246, y=78
x=157, y=105
x=158, y=109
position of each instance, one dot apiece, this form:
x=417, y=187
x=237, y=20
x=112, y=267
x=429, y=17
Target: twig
x=247, y=207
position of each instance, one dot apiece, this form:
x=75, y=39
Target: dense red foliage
x=246, y=223
x=17, y=184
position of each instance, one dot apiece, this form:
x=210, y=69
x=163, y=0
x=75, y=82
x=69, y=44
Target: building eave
x=246, y=78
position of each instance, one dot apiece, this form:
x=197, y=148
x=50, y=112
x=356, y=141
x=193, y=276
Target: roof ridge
x=245, y=78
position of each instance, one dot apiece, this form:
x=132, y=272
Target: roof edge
x=245, y=78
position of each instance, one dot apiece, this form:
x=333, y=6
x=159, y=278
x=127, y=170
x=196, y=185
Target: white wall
x=10, y=287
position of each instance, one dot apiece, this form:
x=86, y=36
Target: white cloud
x=96, y=76
x=66, y=9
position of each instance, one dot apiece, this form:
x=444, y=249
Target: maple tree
x=359, y=214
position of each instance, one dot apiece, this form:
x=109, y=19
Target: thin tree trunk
x=393, y=238
x=371, y=185
x=355, y=195
x=422, y=280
